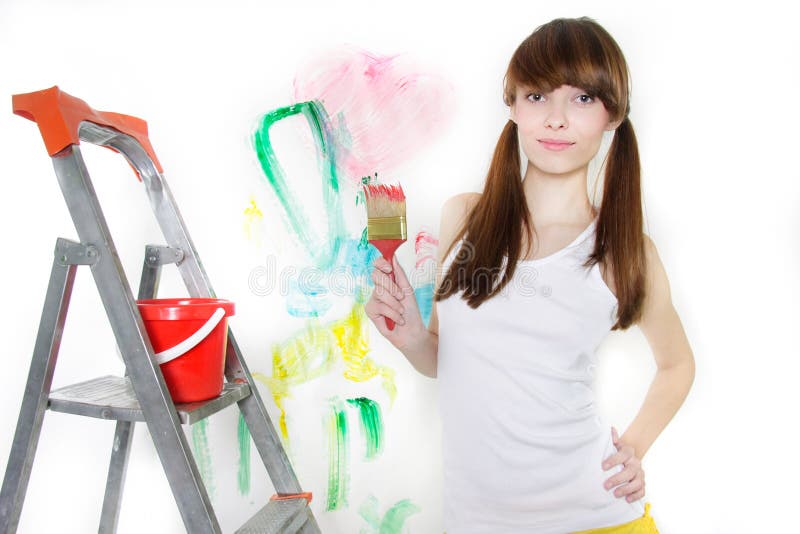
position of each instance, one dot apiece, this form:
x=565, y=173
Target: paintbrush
x=386, y=222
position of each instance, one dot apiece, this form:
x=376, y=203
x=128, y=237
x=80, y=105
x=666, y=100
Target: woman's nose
x=556, y=119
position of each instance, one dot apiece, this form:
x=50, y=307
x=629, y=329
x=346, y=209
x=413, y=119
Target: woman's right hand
x=395, y=301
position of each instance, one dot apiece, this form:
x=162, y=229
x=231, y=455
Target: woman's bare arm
x=423, y=351
x=664, y=332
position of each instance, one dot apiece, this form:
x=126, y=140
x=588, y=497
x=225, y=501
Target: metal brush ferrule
x=386, y=227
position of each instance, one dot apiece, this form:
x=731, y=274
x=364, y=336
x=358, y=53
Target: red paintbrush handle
x=390, y=322
x=387, y=248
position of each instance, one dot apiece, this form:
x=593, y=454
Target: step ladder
x=141, y=395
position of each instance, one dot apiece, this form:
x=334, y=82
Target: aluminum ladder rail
x=142, y=394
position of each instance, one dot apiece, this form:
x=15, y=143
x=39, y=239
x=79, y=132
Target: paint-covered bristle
x=384, y=200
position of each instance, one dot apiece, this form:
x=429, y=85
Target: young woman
x=533, y=276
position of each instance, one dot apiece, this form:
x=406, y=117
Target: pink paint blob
x=425, y=245
x=384, y=109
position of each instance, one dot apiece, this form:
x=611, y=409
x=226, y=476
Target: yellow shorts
x=641, y=525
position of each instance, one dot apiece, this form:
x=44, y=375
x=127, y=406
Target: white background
x=715, y=108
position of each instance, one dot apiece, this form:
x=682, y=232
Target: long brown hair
x=581, y=53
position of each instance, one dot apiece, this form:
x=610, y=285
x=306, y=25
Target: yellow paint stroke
x=308, y=355
x=253, y=216
x=352, y=336
x=313, y=352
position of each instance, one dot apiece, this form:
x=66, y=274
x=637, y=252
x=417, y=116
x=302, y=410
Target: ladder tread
x=112, y=397
x=278, y=517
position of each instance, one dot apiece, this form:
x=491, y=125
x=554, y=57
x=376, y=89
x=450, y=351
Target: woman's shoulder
x=455, y=211
x=461, y=201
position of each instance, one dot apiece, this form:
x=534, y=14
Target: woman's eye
x=537, y=97
x=585, y=99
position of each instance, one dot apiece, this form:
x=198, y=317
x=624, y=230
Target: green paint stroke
x=243, y=475
x=396, y=516
x=313, y=353
x=323, y=250
x=369, y=512
x=371, y=425
x=202, y=454
x=338, y=476
x=392, y=522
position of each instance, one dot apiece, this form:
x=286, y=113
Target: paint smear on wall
x=243, y=473
x=335, y=422
x=304, y=357
x=384, y=108
x=366, y=114
x=371, y=425
x=202, y=454
x=253, y=218
x=425, y=247
x=312, y=353
x=333, y=251
x=424, y=296
x=392, y=522
x=307, y=299
x=378, y=112
x=321, y=249
x=348, y=278
x=352, y=337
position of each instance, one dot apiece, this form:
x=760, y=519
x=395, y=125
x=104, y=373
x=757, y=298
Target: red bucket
x=189, y=336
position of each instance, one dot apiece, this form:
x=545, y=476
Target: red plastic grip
x=59, y=115
x=286, y=496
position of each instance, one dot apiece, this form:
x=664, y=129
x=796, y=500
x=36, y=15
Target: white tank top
x=522, y=442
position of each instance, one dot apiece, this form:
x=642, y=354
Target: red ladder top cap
x=59, y=115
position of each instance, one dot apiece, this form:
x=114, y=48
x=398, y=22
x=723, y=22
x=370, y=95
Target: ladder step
x=278, y=517
x=112, y=397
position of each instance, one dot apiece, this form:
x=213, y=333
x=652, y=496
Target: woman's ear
x=513, y=113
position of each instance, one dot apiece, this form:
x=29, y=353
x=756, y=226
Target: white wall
x=715, y=109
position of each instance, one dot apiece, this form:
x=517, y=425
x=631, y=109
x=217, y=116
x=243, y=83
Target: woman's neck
x=557, y=199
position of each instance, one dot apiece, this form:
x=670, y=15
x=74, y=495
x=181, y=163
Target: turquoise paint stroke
x=350, y=277
x=392, y=522
x=307, y=300
x=396, y=517
x=359, y=257
x=424, y=296
x=369, y=512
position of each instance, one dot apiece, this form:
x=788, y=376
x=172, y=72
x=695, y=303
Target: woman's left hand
x=631, y=479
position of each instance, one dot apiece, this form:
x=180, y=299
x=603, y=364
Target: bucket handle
x=189, y=343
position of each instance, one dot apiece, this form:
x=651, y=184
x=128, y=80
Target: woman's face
x=560, y=131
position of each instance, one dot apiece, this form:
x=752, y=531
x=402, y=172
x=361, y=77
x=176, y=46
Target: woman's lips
x=555, y=144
